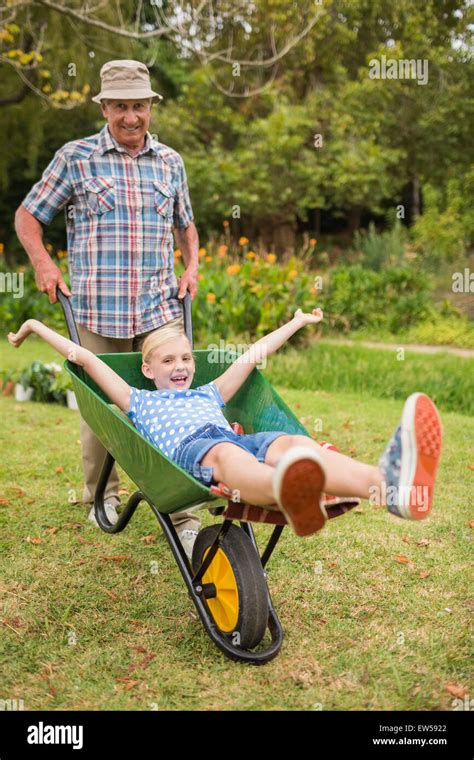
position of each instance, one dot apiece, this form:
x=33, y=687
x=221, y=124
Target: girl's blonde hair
x=173, y=329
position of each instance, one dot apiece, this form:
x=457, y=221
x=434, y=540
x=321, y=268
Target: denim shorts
x=194, y=447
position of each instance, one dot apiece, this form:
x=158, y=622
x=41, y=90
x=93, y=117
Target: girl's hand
x=16, y=339
x=308, y=319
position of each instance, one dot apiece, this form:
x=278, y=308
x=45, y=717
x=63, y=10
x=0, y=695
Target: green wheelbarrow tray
x=256, y=406
x=226, y=578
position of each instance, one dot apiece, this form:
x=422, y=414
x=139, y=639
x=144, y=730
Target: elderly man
x=124, y=194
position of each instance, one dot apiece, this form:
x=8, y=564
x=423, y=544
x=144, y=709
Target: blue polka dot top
x=166, y=417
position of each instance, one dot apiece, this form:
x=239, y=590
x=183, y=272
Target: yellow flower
x=47, y=88
x=211, y=297
x=208, y=259
x=49, y=247
x=271, y=258
x=86, y=89
x=250, y=255
x=25, y=58
x=21, y=269
x=233, y=269
x=292, y=274
x=313, y=241
x=201, y=252
x=44, y=73
x=243, y=241
x=177, y=253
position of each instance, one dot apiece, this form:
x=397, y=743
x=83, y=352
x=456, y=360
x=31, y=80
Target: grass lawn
x=374, y=609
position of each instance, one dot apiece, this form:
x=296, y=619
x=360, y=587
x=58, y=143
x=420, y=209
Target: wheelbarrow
x=226, y=579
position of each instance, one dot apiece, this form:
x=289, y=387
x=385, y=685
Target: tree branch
x=21, y=95
x=101, y=24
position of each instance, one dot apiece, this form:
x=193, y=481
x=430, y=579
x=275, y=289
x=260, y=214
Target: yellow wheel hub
x=224, y=606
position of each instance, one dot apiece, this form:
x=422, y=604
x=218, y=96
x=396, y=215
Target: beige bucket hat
x=125, y=80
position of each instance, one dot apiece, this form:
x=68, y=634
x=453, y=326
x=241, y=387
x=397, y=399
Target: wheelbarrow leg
x=99, y=505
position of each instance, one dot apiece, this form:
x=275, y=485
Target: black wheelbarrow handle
x=72, y=328
x=68, y=315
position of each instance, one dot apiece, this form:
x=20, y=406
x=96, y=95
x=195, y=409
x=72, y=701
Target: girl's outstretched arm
x=231, y=380
x=112, y=384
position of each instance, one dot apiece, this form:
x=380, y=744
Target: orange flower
x=177, y=253
x=222, y=250
x=200, y=276
x=225, y=223
x=313, y=241
x=2, y=247
x=201, y=252
x=49, y=247
x=208, y=259
x=271, y=258
x=313, y=291
x=243, y=241
x=292, y=274
x=233, y=269
x=211, y=297
x=250, y=255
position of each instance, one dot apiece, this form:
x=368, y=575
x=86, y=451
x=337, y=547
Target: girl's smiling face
x=171, y=365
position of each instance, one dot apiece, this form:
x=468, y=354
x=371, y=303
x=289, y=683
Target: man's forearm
x=30, y=235
x=188, y=243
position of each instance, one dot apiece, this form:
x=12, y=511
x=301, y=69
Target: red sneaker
x=410, y=461
x=298, y=484
x=421, y=451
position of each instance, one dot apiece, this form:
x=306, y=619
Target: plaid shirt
x=120, y=213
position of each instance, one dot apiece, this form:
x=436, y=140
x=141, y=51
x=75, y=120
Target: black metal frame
x=198, y=591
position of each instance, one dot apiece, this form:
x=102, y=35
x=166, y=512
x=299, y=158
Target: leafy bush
x=62, y=382
x=32, y=304
x=445, y=230
x=43, y=379
x=442, y=331
x=248, y=296
x=358, y=297
x=245, y=294
x=379, y=249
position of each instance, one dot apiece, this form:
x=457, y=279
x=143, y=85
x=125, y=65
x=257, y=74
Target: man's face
x=128, y=120
x=171, y=365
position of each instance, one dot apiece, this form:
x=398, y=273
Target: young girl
x=267, y=468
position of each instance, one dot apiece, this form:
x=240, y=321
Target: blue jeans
x=194, y=447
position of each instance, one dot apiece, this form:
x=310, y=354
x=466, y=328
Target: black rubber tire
x=252, y=588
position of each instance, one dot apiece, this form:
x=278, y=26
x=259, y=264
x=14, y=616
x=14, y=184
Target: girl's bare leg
x=344, y=476
x=242, y=472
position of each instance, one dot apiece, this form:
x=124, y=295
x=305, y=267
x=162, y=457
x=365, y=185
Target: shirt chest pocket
x=100, y=194
x=163, y=198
